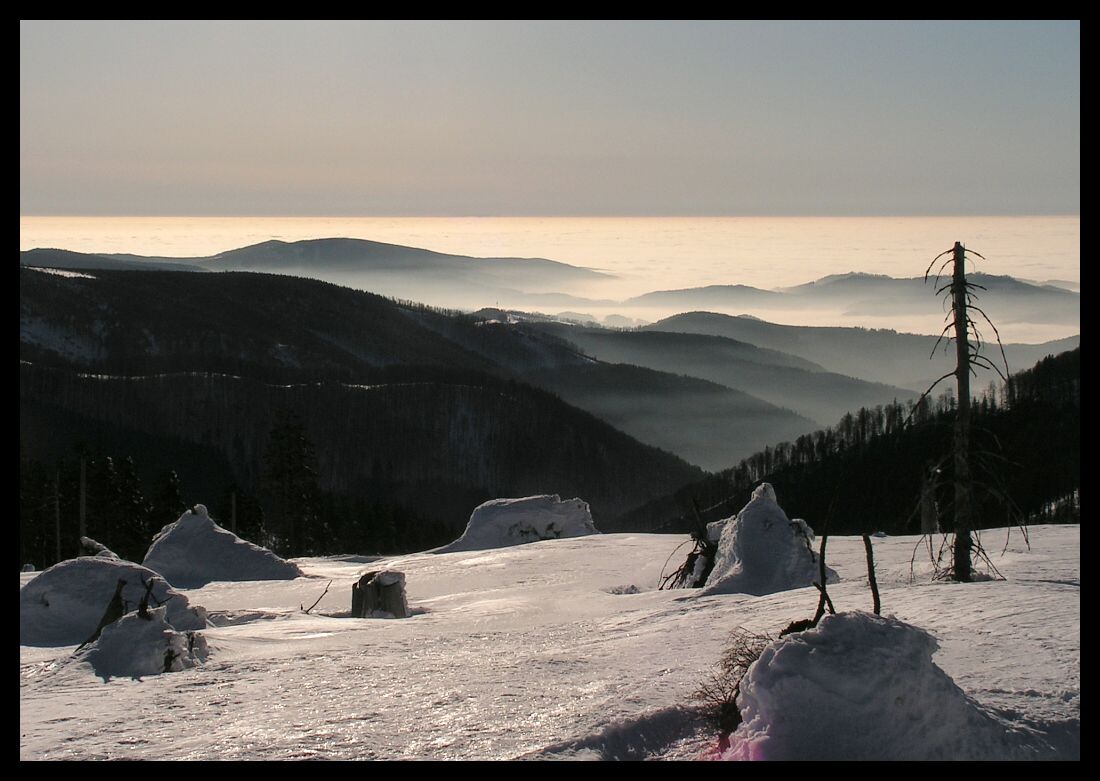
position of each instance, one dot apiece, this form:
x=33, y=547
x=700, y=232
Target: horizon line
x=544, y=216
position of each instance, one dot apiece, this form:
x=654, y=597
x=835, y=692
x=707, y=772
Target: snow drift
x=500, y=523
x=194, y=551
x=134, y=647
x=861, y=687
x=63, y=605
x=761, y=551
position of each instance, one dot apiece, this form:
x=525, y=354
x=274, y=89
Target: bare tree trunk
x=871, y=579
x=823, y=598
x=83, y=499
x=57, y=514
x=963, y=519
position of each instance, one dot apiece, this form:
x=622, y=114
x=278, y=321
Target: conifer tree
x=167, y=501
x=292, y=493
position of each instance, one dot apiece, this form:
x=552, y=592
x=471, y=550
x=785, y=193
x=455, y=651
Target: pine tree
x=131, y=512
x=250, y=516
x=167, y=501
x=291, y=490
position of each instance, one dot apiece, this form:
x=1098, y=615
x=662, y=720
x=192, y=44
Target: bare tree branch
x=318, y=600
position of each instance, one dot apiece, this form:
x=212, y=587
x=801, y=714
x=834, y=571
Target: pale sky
x=549, y=118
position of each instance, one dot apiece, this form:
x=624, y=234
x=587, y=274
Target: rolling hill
x=876, y=355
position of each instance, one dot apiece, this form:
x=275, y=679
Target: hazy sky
x=549, y=118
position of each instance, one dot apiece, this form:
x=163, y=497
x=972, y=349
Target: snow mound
x=861, y=687
x=63, y=605
x=500, y=523
x=761, y=551
x=134, y=647
x=194, y=551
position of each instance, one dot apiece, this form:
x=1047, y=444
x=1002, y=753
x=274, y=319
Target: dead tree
x=720, y=690
x=306, y=610
x=695, y=570
x=143, y=605
x=823, y=599
x=115, y=610
x=872, y=581
x=961, y=326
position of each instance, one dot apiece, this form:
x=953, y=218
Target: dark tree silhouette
x=962, y=323
x=291, y=489
x=167, y=501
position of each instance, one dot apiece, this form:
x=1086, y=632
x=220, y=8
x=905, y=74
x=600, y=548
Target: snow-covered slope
x=539, y=650
x=194, y=551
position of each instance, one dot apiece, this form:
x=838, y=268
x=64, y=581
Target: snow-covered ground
x=535, y=651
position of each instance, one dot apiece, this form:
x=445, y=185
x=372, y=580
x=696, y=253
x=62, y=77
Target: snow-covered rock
x=92, y=547
x=134, y=647
x=500, y=523
x=761, y=551
x=63, y=605
x=861, y=687
x=194, y=551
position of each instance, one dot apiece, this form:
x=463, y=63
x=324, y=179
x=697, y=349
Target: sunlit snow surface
x=58, y=272
x=526, y=652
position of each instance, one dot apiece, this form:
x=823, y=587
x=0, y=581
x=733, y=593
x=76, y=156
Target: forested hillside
x=404, y=429
x=288, y=329
x=875, y=354
x=867, y=473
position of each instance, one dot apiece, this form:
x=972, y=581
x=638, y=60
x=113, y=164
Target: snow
x=63, y=605
x=761, y=551
x=58, y=272
x=134, y=647
x=389, y=578
x=525, y=651
x=500, y=523
x=194, y=551
x=861, y=686
x=81, y=348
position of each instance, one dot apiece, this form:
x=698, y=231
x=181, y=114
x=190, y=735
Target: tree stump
x=379, y=592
